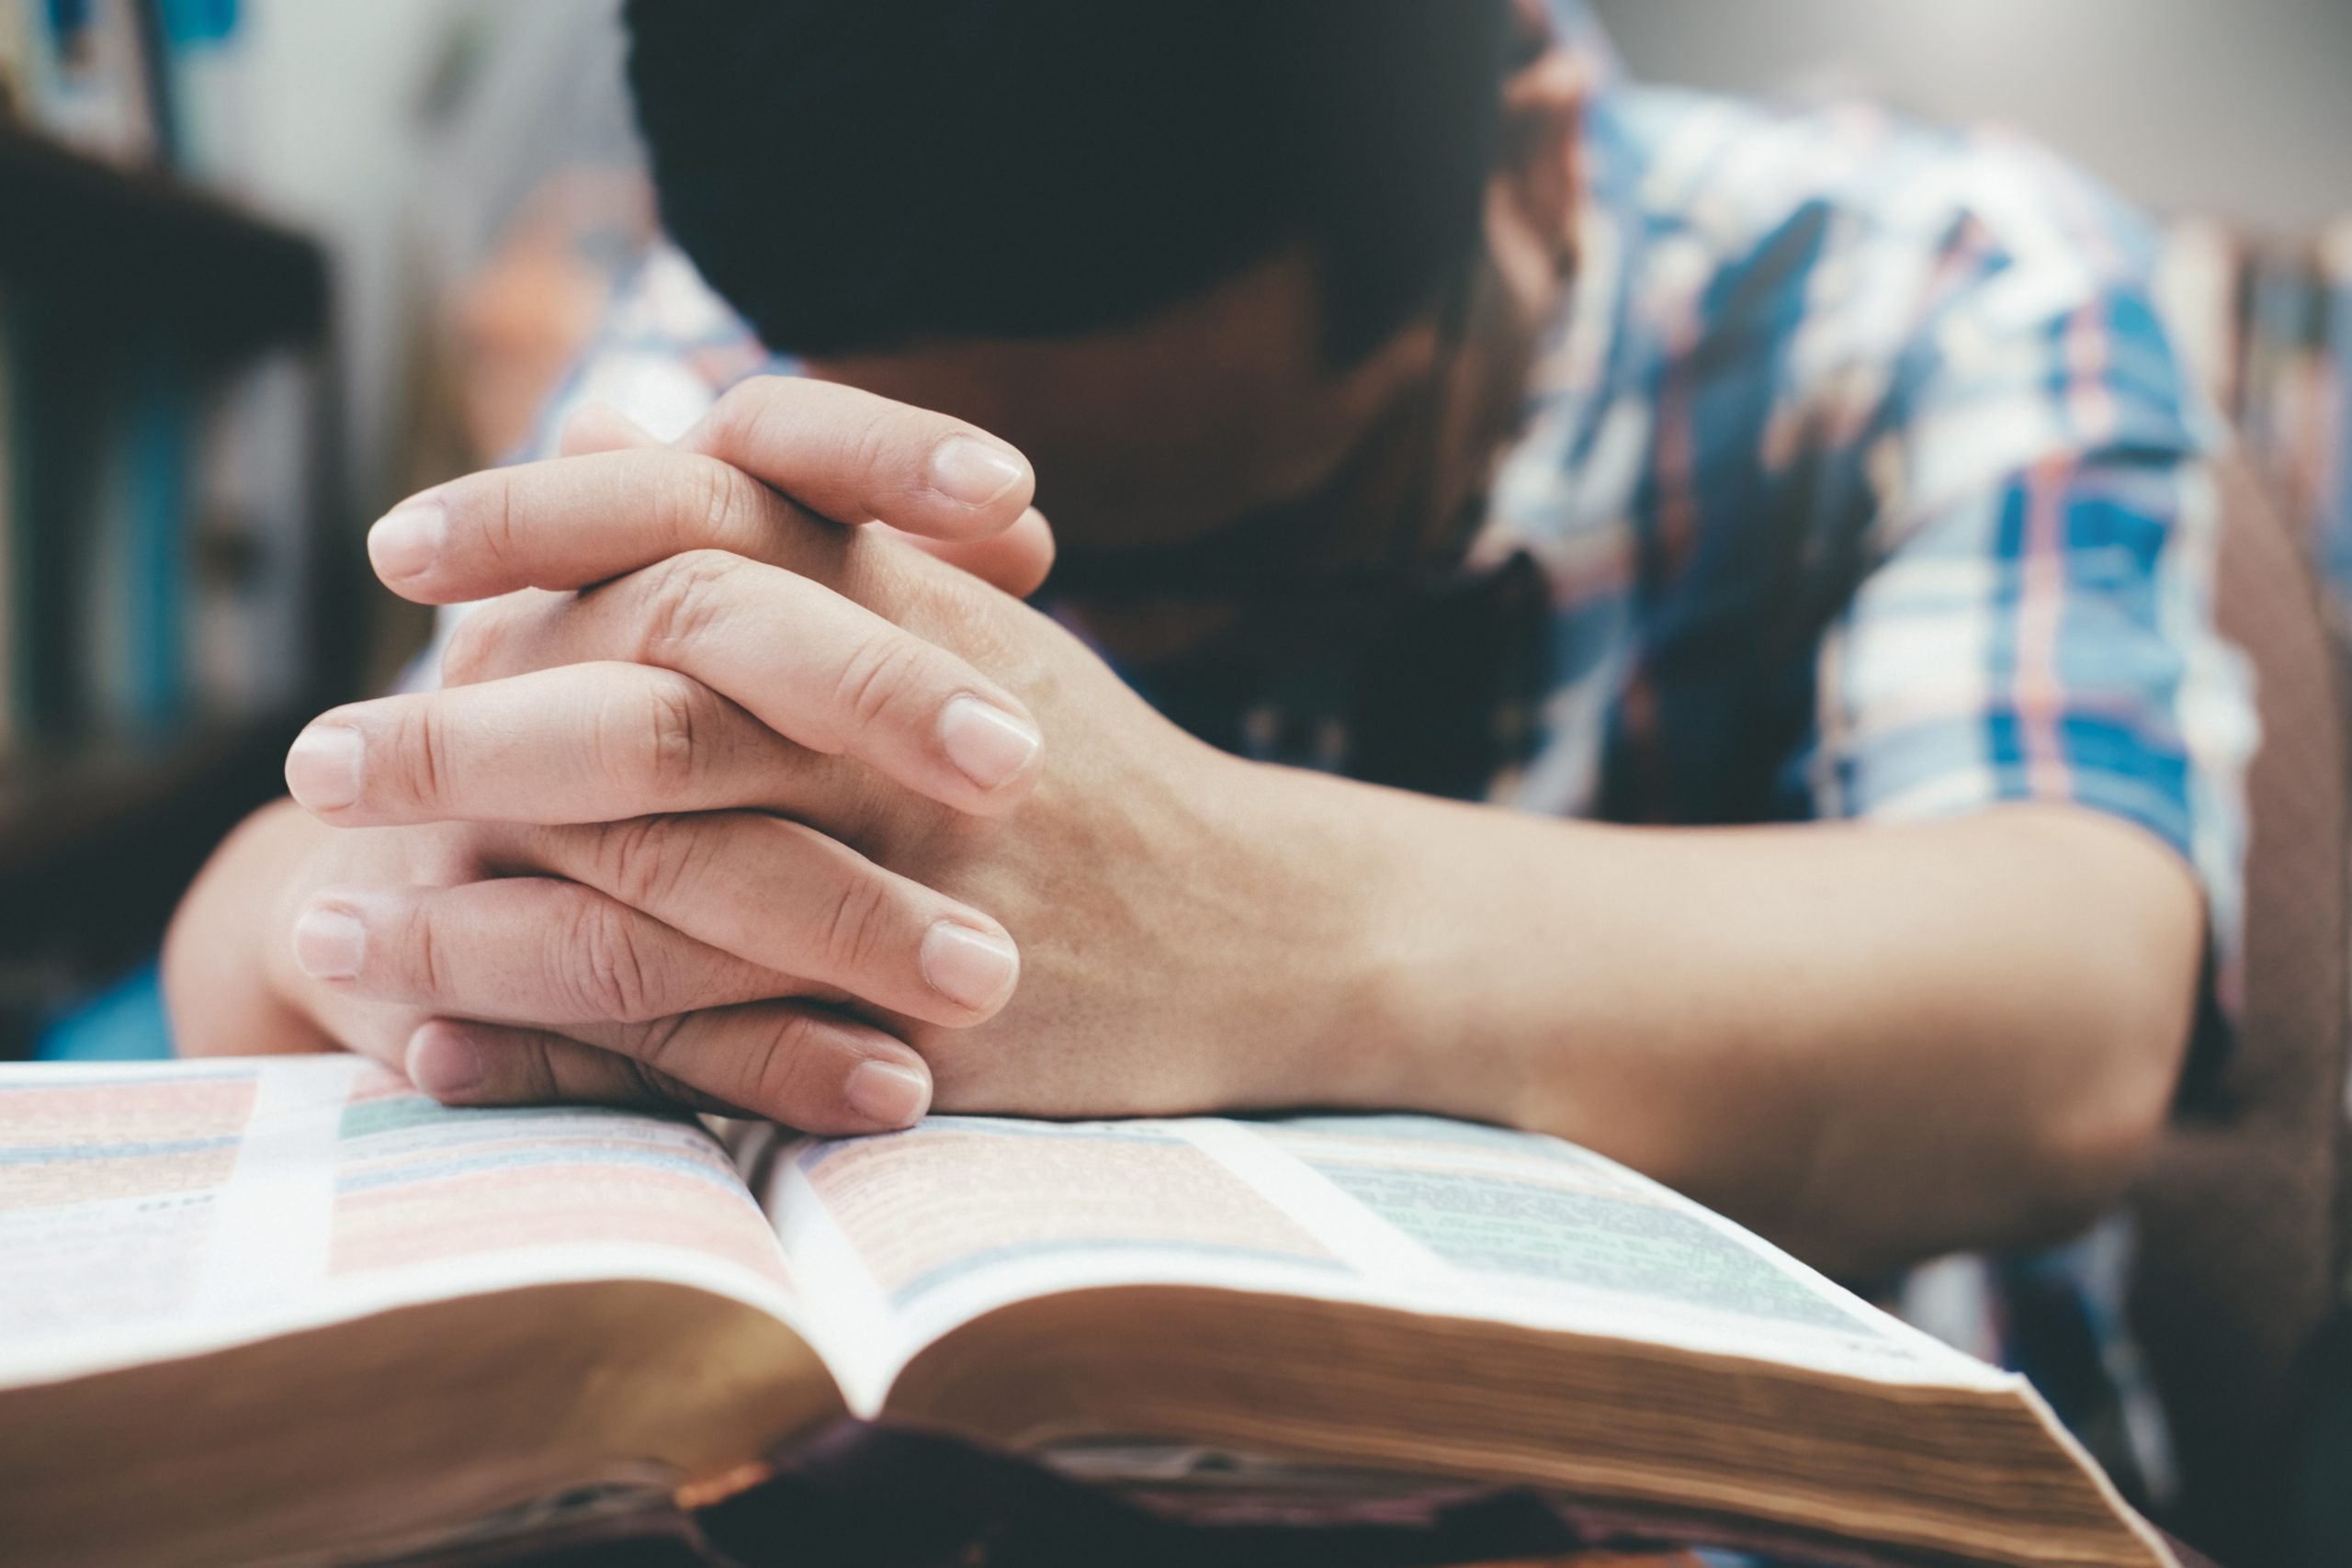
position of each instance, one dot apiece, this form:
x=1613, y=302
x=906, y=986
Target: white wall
x=328, y=142
x=2241, y=108
x=333, y=135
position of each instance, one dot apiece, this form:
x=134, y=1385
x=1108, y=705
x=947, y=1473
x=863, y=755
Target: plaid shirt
x=1859, y=479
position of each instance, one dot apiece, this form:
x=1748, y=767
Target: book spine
x=99, y=557
x=12, y=618
x=157, y=568
x=2335, y=526
x=251, y=477
x=103, y=695
x=91, y=77
x=132, y=552
x=57, y=452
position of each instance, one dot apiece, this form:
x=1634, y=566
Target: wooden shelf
x=107, y=272
x=47, y=801
x=97, y=843
x=138, y=250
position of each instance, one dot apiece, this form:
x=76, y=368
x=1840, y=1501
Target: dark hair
x=858, y=175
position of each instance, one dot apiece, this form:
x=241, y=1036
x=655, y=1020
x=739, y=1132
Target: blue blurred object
x=125, y=1022
x=199, y=21
x=2336, y=471
x=67, y=17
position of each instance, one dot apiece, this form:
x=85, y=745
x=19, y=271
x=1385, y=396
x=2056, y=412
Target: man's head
x=1193, y=258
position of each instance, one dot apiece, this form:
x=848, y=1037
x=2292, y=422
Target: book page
x=917, y=1231
x=157, y=1209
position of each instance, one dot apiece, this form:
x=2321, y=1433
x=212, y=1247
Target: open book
x=288, y=1310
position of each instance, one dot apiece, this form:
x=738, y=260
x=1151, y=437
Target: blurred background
x=268, y=265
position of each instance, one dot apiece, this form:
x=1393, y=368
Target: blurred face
x=1212, y=457
x=1212, y=453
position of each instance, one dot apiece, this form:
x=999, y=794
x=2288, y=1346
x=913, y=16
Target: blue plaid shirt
x=1859, y=479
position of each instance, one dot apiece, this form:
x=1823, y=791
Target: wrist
x=1303, y=980
x=1387, y=949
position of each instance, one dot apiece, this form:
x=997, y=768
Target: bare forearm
x=1871, y=1042
x=218, y=979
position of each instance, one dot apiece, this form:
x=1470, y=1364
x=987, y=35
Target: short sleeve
x=2035, y=621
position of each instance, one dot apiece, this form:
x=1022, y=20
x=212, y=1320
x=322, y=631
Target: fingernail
x=888, y=1094
x=987, y=743
x=322, y=766
x=408, y=541
x=329, y=945
x=973, y=472
x=444, y=1062
x=969, y=967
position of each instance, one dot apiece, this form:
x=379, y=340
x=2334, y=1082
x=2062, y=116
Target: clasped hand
x=730, y=800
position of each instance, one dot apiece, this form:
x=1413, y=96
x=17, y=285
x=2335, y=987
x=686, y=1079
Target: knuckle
x=629, y=855
x=656, y=1042
x=614, y=978
x=656, y=744
x=708, y=502
x=645, y=860
x=877, y=673
x=423, y=745
x=651, y=1085
x=425, y=960
x=777, y=1074
x=682, y=599
x=497, y=524
x=876, y=445
x=858, y=926
x=636, y=853
x=534, y=1066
